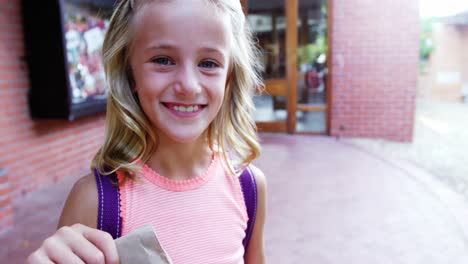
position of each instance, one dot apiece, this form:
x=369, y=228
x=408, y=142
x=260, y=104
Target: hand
x=76, y=244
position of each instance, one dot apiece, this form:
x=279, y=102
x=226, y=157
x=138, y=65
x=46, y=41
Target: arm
x=77, y=240
x=256, y=251
x=81, y=205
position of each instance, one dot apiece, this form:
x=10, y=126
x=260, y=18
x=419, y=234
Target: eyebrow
x=172, y=47
x=161, y=46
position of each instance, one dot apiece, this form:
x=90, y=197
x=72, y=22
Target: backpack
x=110, y=221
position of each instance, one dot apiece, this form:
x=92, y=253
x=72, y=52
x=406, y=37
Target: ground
x=440, y=143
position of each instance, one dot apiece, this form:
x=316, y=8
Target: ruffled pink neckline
x=179, y=185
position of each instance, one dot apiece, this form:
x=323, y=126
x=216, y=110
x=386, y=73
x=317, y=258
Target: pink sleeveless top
x=201, y=220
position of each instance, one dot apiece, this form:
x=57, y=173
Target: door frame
x=291, y=14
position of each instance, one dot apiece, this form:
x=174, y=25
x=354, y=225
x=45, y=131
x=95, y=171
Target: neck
x=181, y=161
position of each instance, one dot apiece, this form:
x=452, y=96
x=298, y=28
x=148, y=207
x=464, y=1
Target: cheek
x=150, y=82
x=219, y=91
x=220, y=84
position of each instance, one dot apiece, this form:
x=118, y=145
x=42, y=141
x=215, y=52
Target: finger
x=80, y=246
x=103, y=241
x=38, y=257
x=58, y=252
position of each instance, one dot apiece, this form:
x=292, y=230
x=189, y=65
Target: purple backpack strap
x=249, y=189
x=109, y=206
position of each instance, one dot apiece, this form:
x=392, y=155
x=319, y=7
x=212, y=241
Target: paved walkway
x=329, y=202
x=440, y=143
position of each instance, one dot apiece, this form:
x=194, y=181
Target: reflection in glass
x=267, y=20
x=312, y=66
x=85, y=27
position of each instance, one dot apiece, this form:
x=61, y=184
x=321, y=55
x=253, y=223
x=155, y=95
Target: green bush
x=426, y=45
x=309, y=52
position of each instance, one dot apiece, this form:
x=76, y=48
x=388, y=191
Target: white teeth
x=184, y=109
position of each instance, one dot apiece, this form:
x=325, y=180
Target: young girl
x=179, y=131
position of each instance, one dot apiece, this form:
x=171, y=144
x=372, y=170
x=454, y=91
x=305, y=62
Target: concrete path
x=440, y=143
x=329, y=202
x=333, y=203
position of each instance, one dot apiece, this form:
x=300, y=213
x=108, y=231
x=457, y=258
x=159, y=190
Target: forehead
x=186, y=23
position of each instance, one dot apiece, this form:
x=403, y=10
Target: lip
x=172, y=104
x=170, y=107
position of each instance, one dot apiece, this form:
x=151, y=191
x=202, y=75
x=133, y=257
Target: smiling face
x=180, y=60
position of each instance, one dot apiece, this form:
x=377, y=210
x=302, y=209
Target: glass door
x=292, y=35
x=312, y=70
x=268, y=21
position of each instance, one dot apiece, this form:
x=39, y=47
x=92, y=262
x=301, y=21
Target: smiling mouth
x=185, y=108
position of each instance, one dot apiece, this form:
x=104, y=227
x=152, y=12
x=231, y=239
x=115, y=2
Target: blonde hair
x=129, y=137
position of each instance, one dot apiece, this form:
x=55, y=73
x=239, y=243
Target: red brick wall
x=35, y=153
x=6, y=210
x=374, y=48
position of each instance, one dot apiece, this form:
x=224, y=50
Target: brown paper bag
x=141, y=246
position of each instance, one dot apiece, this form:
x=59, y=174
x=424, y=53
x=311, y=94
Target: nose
x=187, y=81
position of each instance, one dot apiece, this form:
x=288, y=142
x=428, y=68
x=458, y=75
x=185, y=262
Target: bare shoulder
x=82, y=204
x=259, y=177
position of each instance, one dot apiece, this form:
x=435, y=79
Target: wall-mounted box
x=63, y=51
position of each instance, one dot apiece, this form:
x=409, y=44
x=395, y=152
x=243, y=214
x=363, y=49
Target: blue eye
x=162, y=60
x=209, y=64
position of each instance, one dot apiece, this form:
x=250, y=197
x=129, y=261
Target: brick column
x=375, y=53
